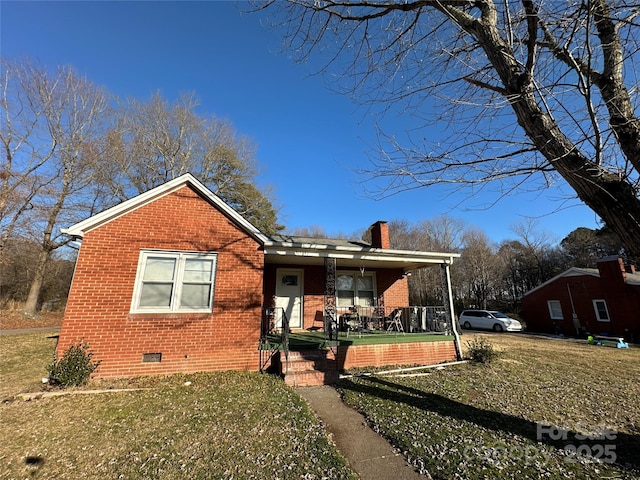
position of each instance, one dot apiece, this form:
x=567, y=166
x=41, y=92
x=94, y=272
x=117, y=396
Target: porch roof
x=293, y=250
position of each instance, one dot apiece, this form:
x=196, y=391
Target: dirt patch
x=15, y=319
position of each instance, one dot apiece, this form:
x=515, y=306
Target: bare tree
x=52, y=121
x=532, y=91
x=442, y=233
x=153, y=142
x=478, y=267
x=25, y=151
x=313, y=231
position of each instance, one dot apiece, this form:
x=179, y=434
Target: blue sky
x=309, y=139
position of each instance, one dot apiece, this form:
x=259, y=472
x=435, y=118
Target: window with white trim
x=555, y=309
x=174, y=282
x=354, y=288
x=602, y=312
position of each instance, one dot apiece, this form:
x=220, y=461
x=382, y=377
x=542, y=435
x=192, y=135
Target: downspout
x=574, y=315
x=451, y=311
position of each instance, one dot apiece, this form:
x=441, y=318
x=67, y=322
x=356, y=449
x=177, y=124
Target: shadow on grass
x=626, y=448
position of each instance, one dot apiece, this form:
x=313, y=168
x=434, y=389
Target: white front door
x=289, y=295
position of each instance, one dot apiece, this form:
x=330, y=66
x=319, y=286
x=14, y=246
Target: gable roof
x=632, y=278
x=284, y=249
x=81, y=228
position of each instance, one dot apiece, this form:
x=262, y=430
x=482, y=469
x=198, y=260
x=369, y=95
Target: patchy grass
x=493, y=421
x=214, y=426
x=24, y=360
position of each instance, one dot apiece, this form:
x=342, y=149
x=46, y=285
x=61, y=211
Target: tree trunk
x=32, y=303
x=610, y=196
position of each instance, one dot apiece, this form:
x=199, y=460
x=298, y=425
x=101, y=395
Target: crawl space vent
x=151, y=357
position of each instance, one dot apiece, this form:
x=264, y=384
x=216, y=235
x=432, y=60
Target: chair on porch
x=353, y=321
x=396, y=322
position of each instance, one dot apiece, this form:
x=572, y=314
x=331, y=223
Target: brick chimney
x=612, y=270
x=380, y=235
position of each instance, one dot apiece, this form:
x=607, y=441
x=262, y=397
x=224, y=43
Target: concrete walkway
x=368, y=454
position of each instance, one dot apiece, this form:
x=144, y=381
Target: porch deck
x=300, y=341
x=312, y=360
x=361, y=337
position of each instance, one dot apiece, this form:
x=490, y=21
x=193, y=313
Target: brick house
x=175, y=280
x=600, y=301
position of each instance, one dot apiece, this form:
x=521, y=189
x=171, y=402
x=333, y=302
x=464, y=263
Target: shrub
x=480, y=350
x=74, y=368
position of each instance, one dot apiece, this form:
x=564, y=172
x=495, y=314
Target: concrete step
x=311, y=354
x=310, y=378
x=304, y=365
x=310, y=368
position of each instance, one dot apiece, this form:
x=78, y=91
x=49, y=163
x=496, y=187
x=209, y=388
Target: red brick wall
x=98, y=308
x=419, y=353
x=395, y=288
x=623, y=305
x=390, y=282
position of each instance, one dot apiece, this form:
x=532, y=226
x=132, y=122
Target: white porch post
x=452, y=313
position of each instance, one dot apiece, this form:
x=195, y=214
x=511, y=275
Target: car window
x=499, y=315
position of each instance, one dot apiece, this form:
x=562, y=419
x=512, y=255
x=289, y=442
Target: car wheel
x=467, y=325
x=497, y=328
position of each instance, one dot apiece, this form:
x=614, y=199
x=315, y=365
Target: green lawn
x=461, y=422
x=215, y=426
x=499, y=421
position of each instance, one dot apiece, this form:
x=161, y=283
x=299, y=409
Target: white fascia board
x=322, y=247
x=81, y=228
x=356, y=253
x=572, y=272
x=230, y=212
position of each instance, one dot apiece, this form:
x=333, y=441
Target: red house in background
x=175, y=280
x=602, y=301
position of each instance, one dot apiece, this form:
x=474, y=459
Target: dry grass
x=481, y=421
x=464, y=422
x=23, y=361
x=226, y=425
x=15, y=319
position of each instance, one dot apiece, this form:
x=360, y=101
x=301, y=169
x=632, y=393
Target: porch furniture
x=353, y=321
x=396, y=322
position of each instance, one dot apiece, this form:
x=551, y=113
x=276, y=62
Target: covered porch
x=348, y=297
x=307, y=358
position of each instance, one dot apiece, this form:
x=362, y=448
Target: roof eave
x=402, y=257
x=571, y=272
x=81, y=228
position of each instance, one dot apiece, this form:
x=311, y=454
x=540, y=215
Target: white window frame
x=355, y=274
x=552, y=309
x=606, y=308
x=178, y=281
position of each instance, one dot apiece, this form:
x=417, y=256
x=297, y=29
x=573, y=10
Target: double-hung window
x=555, y=309
x=355, y=289
x=602, y=312
x=174, y=282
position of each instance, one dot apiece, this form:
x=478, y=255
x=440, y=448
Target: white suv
x=489, y=320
